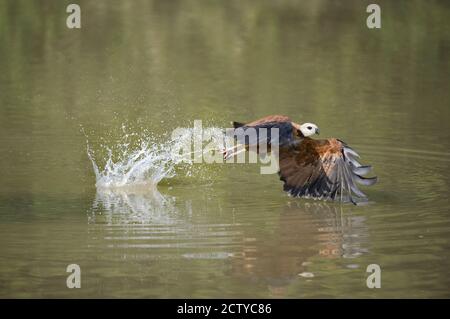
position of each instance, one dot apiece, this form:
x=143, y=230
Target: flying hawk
x=321, y=169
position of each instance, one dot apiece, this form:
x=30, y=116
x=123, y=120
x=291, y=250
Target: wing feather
x=323, y=169
x=286, y=134
x=269, y=119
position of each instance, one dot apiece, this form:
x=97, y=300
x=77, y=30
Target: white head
x=309, y=129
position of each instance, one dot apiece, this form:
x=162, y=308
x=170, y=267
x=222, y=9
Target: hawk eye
x=309, y=127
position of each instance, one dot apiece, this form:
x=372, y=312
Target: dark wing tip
x=366, y=181
x=354, y=171
x=339, y=185
x=237, y=124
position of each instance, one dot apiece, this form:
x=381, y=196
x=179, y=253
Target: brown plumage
x=264, y=120
x=323, y=169
x=288, y=131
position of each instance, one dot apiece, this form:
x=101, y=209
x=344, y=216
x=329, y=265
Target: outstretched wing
x=324, y=169
x=284, y=135
x=264, y=120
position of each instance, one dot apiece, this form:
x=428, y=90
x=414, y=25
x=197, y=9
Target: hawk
x=313, y=168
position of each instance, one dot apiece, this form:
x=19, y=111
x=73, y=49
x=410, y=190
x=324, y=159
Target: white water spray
x=145, y=165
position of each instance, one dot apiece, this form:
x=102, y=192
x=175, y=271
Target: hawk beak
x=317, y=131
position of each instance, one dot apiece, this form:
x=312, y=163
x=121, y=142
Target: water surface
x=137, y=70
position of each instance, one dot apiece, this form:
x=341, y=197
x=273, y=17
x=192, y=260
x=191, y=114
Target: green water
x=222, y=230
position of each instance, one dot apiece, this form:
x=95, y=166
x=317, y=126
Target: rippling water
x=88, y=176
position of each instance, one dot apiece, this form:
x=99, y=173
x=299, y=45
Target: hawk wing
x=264, y=120
x=323, y=169
x=262, y=134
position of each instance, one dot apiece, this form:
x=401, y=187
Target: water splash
x=147, y=162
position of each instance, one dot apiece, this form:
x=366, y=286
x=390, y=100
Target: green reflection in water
x=224, y=231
